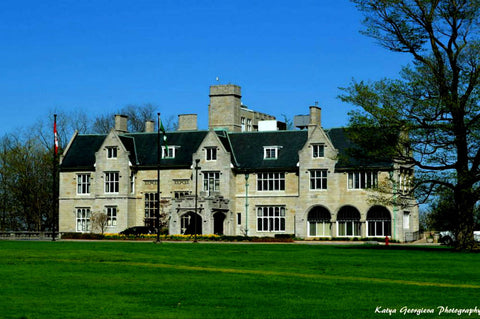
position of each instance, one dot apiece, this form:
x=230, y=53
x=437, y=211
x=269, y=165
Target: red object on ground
x=386, y=240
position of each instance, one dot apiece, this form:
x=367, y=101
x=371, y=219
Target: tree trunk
x=465, y=204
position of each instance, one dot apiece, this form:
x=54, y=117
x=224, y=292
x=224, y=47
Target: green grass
x=185, y=280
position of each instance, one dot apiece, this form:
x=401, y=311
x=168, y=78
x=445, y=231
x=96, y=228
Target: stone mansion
x=251, y=177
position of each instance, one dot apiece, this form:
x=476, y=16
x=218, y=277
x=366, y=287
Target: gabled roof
x=249, y=149
x=81, y=153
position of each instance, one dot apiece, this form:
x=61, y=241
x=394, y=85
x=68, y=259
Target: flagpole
x=159, y=156
x=54, y=183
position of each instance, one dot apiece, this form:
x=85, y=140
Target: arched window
x=348, y=222
x=379, y=222
x=319, y=222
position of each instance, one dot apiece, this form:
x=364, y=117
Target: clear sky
x=99, y=55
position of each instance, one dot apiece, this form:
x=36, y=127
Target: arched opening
x=348, y=222
x=191, y=224
x=379, y=222
x=218, y=219
x=319, y=224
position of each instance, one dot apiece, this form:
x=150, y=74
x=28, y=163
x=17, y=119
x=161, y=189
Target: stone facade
x=251, y=183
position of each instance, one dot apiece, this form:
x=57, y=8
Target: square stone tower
x=224, y=108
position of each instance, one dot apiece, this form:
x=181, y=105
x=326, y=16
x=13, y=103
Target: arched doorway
x=218, y=219
x=319, y=224
x=348, y=222
x=379, y=222
x=191, y=224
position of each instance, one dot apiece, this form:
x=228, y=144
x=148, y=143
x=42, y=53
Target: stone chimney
x=315, y=119
x=187, y=122
x=121, y=123
x=149, y=126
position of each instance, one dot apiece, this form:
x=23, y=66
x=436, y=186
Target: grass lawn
x=185, y=280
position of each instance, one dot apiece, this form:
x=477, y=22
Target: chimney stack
x=121, y=123
x=315, y=119
x=187, y=122
x=149, y=126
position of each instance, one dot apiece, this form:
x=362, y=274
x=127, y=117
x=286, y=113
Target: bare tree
x=99, y=221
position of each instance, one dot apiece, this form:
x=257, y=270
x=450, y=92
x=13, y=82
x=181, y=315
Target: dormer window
x=270, y=152
x=318, y=150
x=112, y=151
x=169, y=153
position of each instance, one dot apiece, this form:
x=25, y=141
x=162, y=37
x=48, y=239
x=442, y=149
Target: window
x=243, y=124
x=111, y=216
x=211, y=153
x=132, y=183
x=362, y=180
x=181, y=194
x=405, y=182
x=111, y=182
x=271, y=182
x=348, y=222
x=211, y=181
x=83, y=219
x=318, y=179
x=270, y=152
x=150, y=208
x=239, y=218
x=168, y=152
x=379, y=222
x=406, y=220
x=271, y=219
x=318, y=150
x=111, y=152
x=319, y=222
x=83, y=184
x=249, y=125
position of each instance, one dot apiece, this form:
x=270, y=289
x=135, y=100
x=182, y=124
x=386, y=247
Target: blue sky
x=99, y=56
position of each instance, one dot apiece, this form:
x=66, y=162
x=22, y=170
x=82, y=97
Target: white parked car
x=447, y=237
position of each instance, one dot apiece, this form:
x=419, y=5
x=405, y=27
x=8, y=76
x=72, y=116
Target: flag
x=55, y=134
x=164, y=135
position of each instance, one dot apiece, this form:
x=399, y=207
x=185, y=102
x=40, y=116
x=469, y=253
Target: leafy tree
x=435, y=99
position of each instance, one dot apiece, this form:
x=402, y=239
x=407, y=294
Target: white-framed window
x=83, y=183
x=379, y=222
x=211, y=181
x=249, y=125
x=83, y=219
x=112, y=152
x=271, y=181
x=318, y=179
x=362, y=180
x=319, y=224
x=211, y=153
x=318, y=150
x=270, y=152
x=405, y=180
x=271, y=218
x=169, y=153
x=132, y=183
x=348, y=222
x=242, y=120
x=111, y=216
x=151, y=201
x=112, y=182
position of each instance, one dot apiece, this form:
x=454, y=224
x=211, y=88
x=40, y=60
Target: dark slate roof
x=346, y=158
x=81, y=154
x=248, y=149
x=146, y=148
